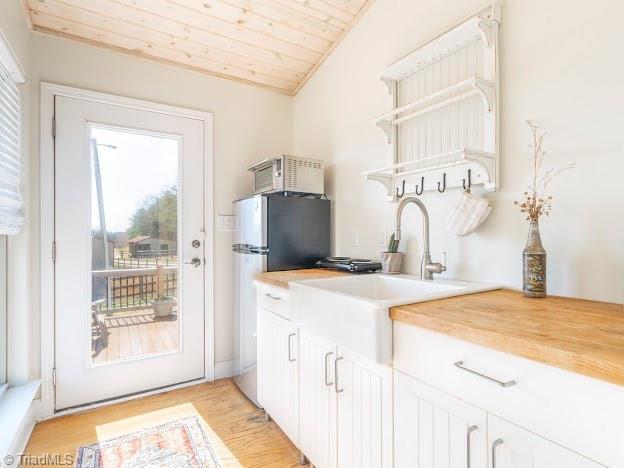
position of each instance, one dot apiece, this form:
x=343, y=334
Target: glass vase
x=534, y=264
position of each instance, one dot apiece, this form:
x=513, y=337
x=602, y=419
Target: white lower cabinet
x=363, y=412
x=433, y=429
x=446, y=404
x=278, y=381
x=514, y=447
x=317, y=402
x=345, y=407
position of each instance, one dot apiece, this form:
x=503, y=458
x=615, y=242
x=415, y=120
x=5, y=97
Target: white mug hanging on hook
x=469, y=213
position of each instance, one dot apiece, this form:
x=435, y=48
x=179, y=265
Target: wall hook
x=402, y=191
x=443, y=183
x=422, y=186
x=469, y=180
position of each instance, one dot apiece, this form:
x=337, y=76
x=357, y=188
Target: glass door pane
x=134, y=239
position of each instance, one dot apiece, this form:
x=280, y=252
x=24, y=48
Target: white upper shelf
x=441, y=98
x=474, y=28
x=436, y=162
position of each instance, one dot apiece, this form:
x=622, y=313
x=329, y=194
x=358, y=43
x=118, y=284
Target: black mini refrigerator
x=275, y=232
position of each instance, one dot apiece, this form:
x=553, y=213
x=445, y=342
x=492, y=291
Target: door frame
x=47, y=217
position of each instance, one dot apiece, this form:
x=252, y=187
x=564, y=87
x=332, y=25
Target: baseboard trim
x=23, y=435
x=225, y=369
x=17, y=414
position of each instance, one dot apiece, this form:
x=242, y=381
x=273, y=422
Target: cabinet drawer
x=433, y=428
x=578, y=412
x=514, y=447
x=273, y=299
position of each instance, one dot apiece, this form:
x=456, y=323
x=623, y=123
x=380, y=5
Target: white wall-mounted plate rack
x=443, y=118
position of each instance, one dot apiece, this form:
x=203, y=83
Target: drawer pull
x=289, y=341
x=271, y=296
x=327, y=382
x=495, y=445
x=509, y=383
x=336, y=375
x=471, y=429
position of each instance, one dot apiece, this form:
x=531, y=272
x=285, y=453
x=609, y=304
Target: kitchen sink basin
x=353, y=311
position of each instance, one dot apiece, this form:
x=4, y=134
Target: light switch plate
x=226, y=223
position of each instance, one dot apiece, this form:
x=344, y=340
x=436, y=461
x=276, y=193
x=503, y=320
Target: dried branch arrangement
x=537, y=201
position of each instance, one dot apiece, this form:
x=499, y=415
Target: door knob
x=195, y=243
x=195, y=262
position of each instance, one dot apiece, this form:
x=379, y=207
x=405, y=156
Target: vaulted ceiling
x=271, y=43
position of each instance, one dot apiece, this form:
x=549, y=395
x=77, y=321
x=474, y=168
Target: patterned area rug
x=177, y=444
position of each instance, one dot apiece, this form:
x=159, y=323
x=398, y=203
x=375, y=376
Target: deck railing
x=144, y=261
x=132, y=288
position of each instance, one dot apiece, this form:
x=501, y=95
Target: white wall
x=23, y=336
x=561, y=66
x=249, y=124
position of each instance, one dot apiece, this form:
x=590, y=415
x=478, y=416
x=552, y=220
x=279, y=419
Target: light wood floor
x=133, y=334
x=238, y=429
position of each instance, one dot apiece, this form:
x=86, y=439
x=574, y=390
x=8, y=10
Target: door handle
x=271, y=296
x=495, y=445
x=506, y=384
x=471, y=429
x=289, y=341
x=336, y=375
x=195, y=262
x=327, y=382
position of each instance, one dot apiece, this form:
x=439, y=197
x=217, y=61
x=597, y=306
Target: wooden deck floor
x=239, y=431
x=132, y=334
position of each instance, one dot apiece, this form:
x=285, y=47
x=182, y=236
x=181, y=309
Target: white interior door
x=129, y=221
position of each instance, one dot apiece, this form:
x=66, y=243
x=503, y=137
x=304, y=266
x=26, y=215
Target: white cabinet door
x=514, y=447
x=317, y=400
x=364, y=412
x=433, y=429
x=278, y=371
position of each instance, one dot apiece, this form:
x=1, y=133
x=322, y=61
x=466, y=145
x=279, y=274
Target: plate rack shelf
x=442, y=126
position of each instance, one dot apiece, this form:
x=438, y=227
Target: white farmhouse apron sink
x=353, y=311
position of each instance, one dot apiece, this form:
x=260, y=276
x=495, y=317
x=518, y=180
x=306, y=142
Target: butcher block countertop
x=585, y=337
x=281, y=278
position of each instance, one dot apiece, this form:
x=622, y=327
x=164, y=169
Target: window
x=11, y=219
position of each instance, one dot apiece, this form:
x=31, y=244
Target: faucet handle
x=444, y=259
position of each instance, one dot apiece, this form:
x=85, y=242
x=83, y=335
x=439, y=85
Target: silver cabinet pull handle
x=509, y=383
x=471, y=429
x=495, y=445
x=336, y=375
x=327, y=382
x=291, y=359
x=271, y=296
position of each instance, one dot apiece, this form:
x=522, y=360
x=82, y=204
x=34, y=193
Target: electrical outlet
x=355, y=237
x=226, y=223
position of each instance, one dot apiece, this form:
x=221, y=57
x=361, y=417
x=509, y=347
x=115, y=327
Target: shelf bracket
x=487, y=31
x=386, y=181
x=490, y=169
x=388, y=128
x=486, y=91
x=390, y=84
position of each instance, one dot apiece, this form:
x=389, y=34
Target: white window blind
x=11, y=218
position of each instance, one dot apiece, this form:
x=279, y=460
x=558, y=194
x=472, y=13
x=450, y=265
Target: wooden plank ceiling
x=271, y=43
